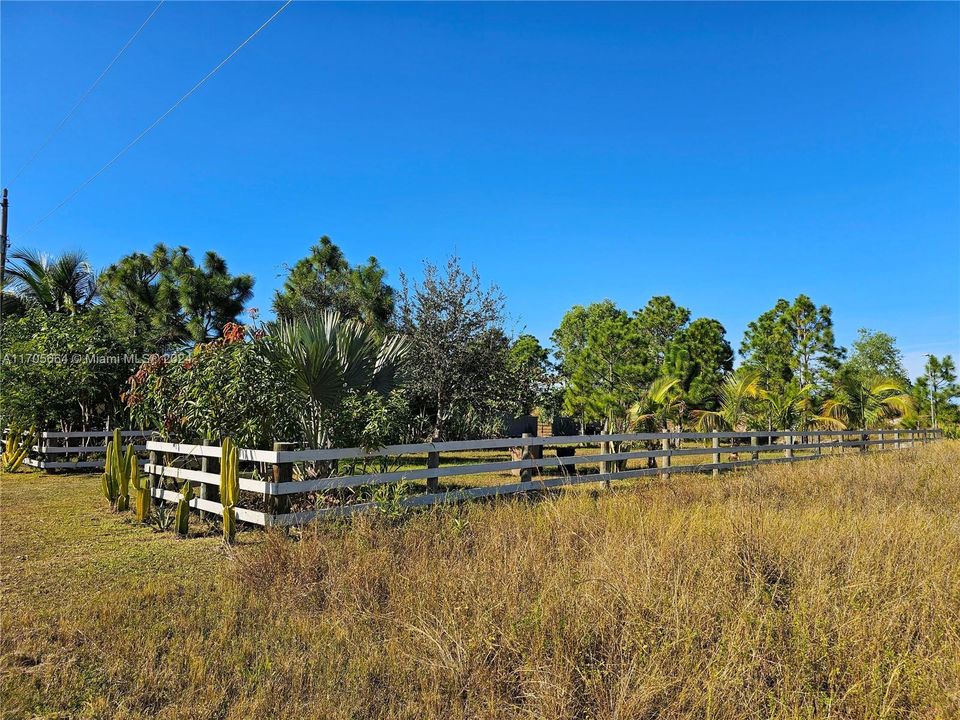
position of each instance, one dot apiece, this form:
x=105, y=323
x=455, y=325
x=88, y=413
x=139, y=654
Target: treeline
x=162, y=341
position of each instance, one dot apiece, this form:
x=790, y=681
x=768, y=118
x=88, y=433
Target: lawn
x=825, y=589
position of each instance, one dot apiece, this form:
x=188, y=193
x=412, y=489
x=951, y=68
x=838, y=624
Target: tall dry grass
x=824, y=589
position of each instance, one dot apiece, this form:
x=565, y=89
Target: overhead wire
x=85, y=95
x=156, y=122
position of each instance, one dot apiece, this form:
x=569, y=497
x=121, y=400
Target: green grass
x=825, y=589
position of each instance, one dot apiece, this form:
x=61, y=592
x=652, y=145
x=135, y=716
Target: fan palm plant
x=739, y=391
x=326, y=357
x=65, y=283
x=866, y=403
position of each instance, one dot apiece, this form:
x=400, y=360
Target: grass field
x=825, y=589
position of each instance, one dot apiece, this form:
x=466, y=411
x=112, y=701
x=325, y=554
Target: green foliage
x=324, y=280
x=792, y=341
x=876, y=354
x=120, y=468
x=227, y=387
x=170, y=300
x=326, y=359
x=62, y=284
x=735, y=407
x=62, y=370
x=700, y=356
x=935, y=392
x=532, y=377
x=181, y=521
x=864, y=403
x=458, y=350
x=229, y=488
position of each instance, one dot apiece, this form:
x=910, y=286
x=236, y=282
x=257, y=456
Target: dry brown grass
x=825, y=589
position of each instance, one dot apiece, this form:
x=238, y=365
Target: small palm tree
x=737, y=395
x=326, y=358
x=866, y=403
x=65, y=283
x=662, y=402
x=793, y=408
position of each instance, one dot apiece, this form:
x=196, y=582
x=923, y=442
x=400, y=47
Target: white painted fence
x=74, y=450
x=268, y=488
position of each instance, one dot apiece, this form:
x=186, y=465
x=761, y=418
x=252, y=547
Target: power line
x=156, y=122
x=86, y=93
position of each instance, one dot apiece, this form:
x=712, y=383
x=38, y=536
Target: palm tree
x=662, y=402
x=793, y=408
x=866, y=403
x=326, y=358
x=737, y=394
x=65, y=283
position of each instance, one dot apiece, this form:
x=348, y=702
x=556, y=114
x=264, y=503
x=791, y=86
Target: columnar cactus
x=16, y=448
x=110, y=482
x=181, y=521
x=229, y=488
x=142, y=491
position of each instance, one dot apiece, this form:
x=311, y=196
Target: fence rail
x=270, y=496
x=73, y=450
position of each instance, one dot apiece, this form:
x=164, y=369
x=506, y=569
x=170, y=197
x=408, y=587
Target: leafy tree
x=532, y=376
x=700, y=357
x=570, y=339
x=325, y=359
x=659, y=322
x=325, y=280
x=610, y=372
x=935, y=390
x=65, y=283
x=63, y=370
x=457, y=342
x=792, y=341
x=170, y=300
x=876, y=354
x=224, y=388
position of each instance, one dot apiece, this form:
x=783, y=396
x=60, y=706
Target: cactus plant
x=110, y=482
x=142, y=490
x=229, y=488
x=118, y=470
x=181, y=522
x=15, y=449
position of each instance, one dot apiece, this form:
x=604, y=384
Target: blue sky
x=725, y=155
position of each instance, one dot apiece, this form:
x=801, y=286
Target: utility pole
x=3, y=255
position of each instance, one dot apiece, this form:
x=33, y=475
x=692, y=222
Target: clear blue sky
x=725, y=155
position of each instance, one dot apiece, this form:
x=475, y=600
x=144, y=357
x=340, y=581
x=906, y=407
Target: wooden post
x=282, y=473
x=896, y=440
x=754, y=442
x=819, y=445
x=788, y=450
x=433, y=462
x=152, y=476
x=665, y=446
x=716, y=456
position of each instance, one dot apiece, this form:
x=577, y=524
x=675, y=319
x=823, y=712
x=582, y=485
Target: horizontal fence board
x=214, y=451
x=243, y=514
x=198, y=476
x=98, y=434
x=77, y=449
x=506, y=443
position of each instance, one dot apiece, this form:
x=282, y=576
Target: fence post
x=896, y=440
x=433, y=462
x=665, y=446
x=788, y=450
x=754, y=441
x=819, y=445
x=282, y=473
x=152, y=476
x=716, y=456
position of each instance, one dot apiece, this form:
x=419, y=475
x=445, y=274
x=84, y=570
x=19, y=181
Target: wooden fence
x=278, y=488
x=74, y=450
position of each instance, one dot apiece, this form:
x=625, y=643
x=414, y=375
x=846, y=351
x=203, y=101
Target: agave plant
x=326, y=357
